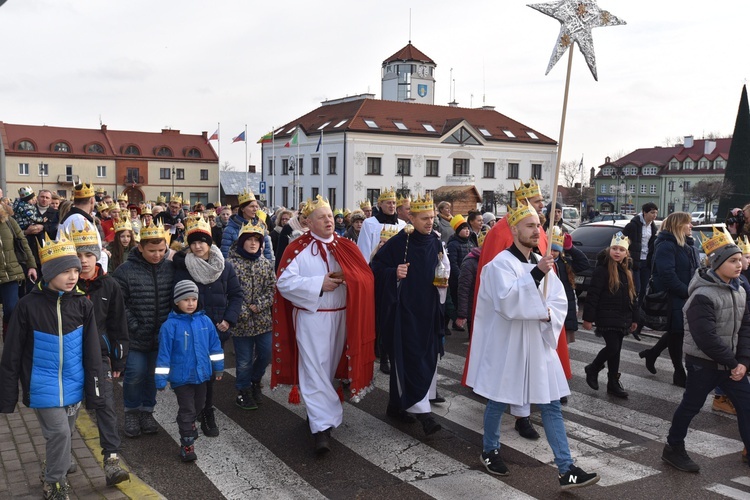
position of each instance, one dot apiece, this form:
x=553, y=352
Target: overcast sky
x=677, y=67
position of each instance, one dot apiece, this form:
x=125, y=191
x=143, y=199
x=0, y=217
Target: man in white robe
x=385, y=220
x=512, y=358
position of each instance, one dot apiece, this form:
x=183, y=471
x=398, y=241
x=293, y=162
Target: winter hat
x=198, y=229
x=185, y=289
x=719, y=256
x=26, y=193
x=719, y=247
x=58, y=256
x=488, y=217
x=357, y=215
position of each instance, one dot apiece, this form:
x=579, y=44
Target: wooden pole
x=553, y=202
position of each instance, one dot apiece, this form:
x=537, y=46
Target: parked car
x=571, y=215
x=591, y=239
x=699, y=218
x=708, y=231
x=611, y=217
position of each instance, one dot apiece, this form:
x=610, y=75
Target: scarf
x=296, y=226
x=205, y=271
x=247, y=255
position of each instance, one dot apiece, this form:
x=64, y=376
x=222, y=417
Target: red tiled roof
x=413, y=116
x=409, y=53
x=114, y=142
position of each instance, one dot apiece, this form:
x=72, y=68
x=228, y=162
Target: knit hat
x=488, y=217
x=185, y=289
x=357, y=215
x=57, y=256
x=26, y=193
x=720, y=255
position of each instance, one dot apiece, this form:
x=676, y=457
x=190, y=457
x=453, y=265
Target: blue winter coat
x=232, y=232
x=189, y=350
x=674, y=267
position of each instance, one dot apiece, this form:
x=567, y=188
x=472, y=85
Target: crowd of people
x=153, y=291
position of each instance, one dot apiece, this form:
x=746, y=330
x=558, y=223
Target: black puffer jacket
x=458, y=248
x=147, y=291
x=607, y=310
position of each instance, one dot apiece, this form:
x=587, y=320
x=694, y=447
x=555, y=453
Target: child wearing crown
x=611, y=305
x=121, y=244
x=53, y=348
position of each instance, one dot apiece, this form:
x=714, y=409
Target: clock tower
x=408, y=75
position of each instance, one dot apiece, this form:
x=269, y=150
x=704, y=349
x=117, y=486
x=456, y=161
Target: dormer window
x=650, y=170
x=132, y=150
x=509, y=134
x=688, y=165
x=193, y=153
x=532, y=135
x=164, y=151
x=95, y=148
x=61, y=147
x=25, y=146
x=485, y=132
x=371, y=123
x=674, y=165
x=462, y=136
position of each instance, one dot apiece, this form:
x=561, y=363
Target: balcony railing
x=133, y=180
x=68, y=179
x=459, y=179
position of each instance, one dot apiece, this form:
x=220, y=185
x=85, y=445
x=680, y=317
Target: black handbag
x=655, y=309
x=17, y=246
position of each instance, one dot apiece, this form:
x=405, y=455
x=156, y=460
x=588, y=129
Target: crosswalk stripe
x=469, y=413
x=701, y=442
x=743, y=480
x=253, y=468
x=728, y=491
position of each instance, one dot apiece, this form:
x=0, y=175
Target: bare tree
x=707, y=191
x=672, y=141
x=570, y=174
x=617, y=155
x=227, y=167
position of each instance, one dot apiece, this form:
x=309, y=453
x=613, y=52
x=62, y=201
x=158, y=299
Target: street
x=267, y=453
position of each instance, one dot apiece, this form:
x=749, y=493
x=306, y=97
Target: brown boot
x=723, y=404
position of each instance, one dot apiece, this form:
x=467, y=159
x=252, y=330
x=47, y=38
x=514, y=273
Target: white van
x=571, y=215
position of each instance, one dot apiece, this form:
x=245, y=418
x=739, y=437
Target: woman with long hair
x=675, y=262
x=611, y=305
x=119, y=248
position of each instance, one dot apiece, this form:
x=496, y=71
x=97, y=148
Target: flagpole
x=247, y=161
x=296, y=173
x=273, y=166
x=218, y=146
x=322, y=193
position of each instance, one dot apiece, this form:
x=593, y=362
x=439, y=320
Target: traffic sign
x=262, y=187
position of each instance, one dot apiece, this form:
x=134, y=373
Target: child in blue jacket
x=189, y=351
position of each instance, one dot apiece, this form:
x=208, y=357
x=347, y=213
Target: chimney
x=104, y=128
x=488, y=108
x=688, y=141
x=708, y=147
x=169, y=131
x=204, y=134
x=453, y=104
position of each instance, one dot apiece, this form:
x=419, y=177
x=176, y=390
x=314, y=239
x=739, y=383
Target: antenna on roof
x=410, y=25
x=484, y=83
x=100, y=120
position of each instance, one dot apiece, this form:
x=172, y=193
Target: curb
x=135, y=488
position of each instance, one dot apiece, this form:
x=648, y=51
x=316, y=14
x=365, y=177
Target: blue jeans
x=553, y=424
x=139, y=385
x=700, y=382
x=251, y=365
x=9, y=298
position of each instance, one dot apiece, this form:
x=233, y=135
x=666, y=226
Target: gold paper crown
x=197, y=224
x=558, y=237
x=122, y=197
x=365, y=204
x=347, y=212
x=481, y=236
x=209, y=213
x=387, y=195
x=84, y=237
x=620, y=240
x=101, y=207
x=744, y=245
x=312, y=205
x=387, y=234
x=527, y=191
x=422, y=204
x=62, y=247
x=338, y=211
x=100, y=190
x=146, y=210
x=520, y=213
x=718, y=240
x=161, y=199
x=154, y=232
x=456, y=221
x=83, y=190
x=251, y=228
x=401, y=200
x=114, y=206
x=123, y=225
x=245, y=196
x=175, y=197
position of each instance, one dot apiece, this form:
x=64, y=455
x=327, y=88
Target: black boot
x=429, y=425
x=592, y=376
x=187, y=449
x=680, y=377
x=650, y=360
x=385, y=366
x=614, y=386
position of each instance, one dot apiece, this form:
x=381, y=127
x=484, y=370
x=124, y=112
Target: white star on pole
x=577, y=18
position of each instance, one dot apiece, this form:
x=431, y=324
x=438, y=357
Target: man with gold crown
x=716, y=345
x=512, y=358
x=498, y=239
x=82, y=212
x=409, y=313
x=366, y=208
x=320, y=278
x=173, y=218
x=385, y=219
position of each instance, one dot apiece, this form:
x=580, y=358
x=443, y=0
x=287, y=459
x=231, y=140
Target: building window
x=612, y=189
x=631, y=189
x=643, y=189
x=703, y=164
x=688, y=165
x=403, y=166
x=314, y=192
x=164, y=151
x=204, y=174
x=686, y=186
x=300, y=196
x=512, y=170
x=95, y=148
x=165, y=194
x=332, y=170
x=511, y=195
x=180, y=174
x=198, y=198
x=23, y=169
x=373, y=166
x=650, y=170
x=373, y=195
x=101, y=171
x=285, y=167
x=332, y=196
x=43, y=170
x=603, y=189
x=674, y=165
x=285, y=196
x=61, y=147
x=193, y=153
x=62, y=193
x=460, y=166
x=431, y=169
x=462, y=136
x=25, y=146
x=536, y=171
x=488, y=201
x=132, y=150
x=133, y=176
x=164, y=173
x=653, y=189
x=718, y=163
x=300, y=166
x=489, y=170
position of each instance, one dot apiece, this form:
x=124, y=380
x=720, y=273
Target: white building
x=349, y=149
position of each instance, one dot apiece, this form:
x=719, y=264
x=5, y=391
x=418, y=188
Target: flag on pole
x=320, y=142
x=214, y=136
x=266, y=138
x=239, y=138
x=293, y=141
x=580, y=165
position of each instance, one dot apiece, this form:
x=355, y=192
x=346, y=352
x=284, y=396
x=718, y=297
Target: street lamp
x=620, y=178
x=41, y=173
x=400, y=171
x=682, y=185
x=173, y=176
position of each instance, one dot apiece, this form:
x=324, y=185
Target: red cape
x=108, y=226
x=359, y=354
x=498, y=239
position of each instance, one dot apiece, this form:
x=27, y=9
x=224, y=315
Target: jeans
x=139, y=385
x=9, y=298
x=700, y=382
x=252, y=355
x=554, y=428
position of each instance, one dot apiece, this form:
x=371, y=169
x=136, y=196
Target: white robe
x=512, y=357
x=369, y=235
x=321, y=336
x=79, y=221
